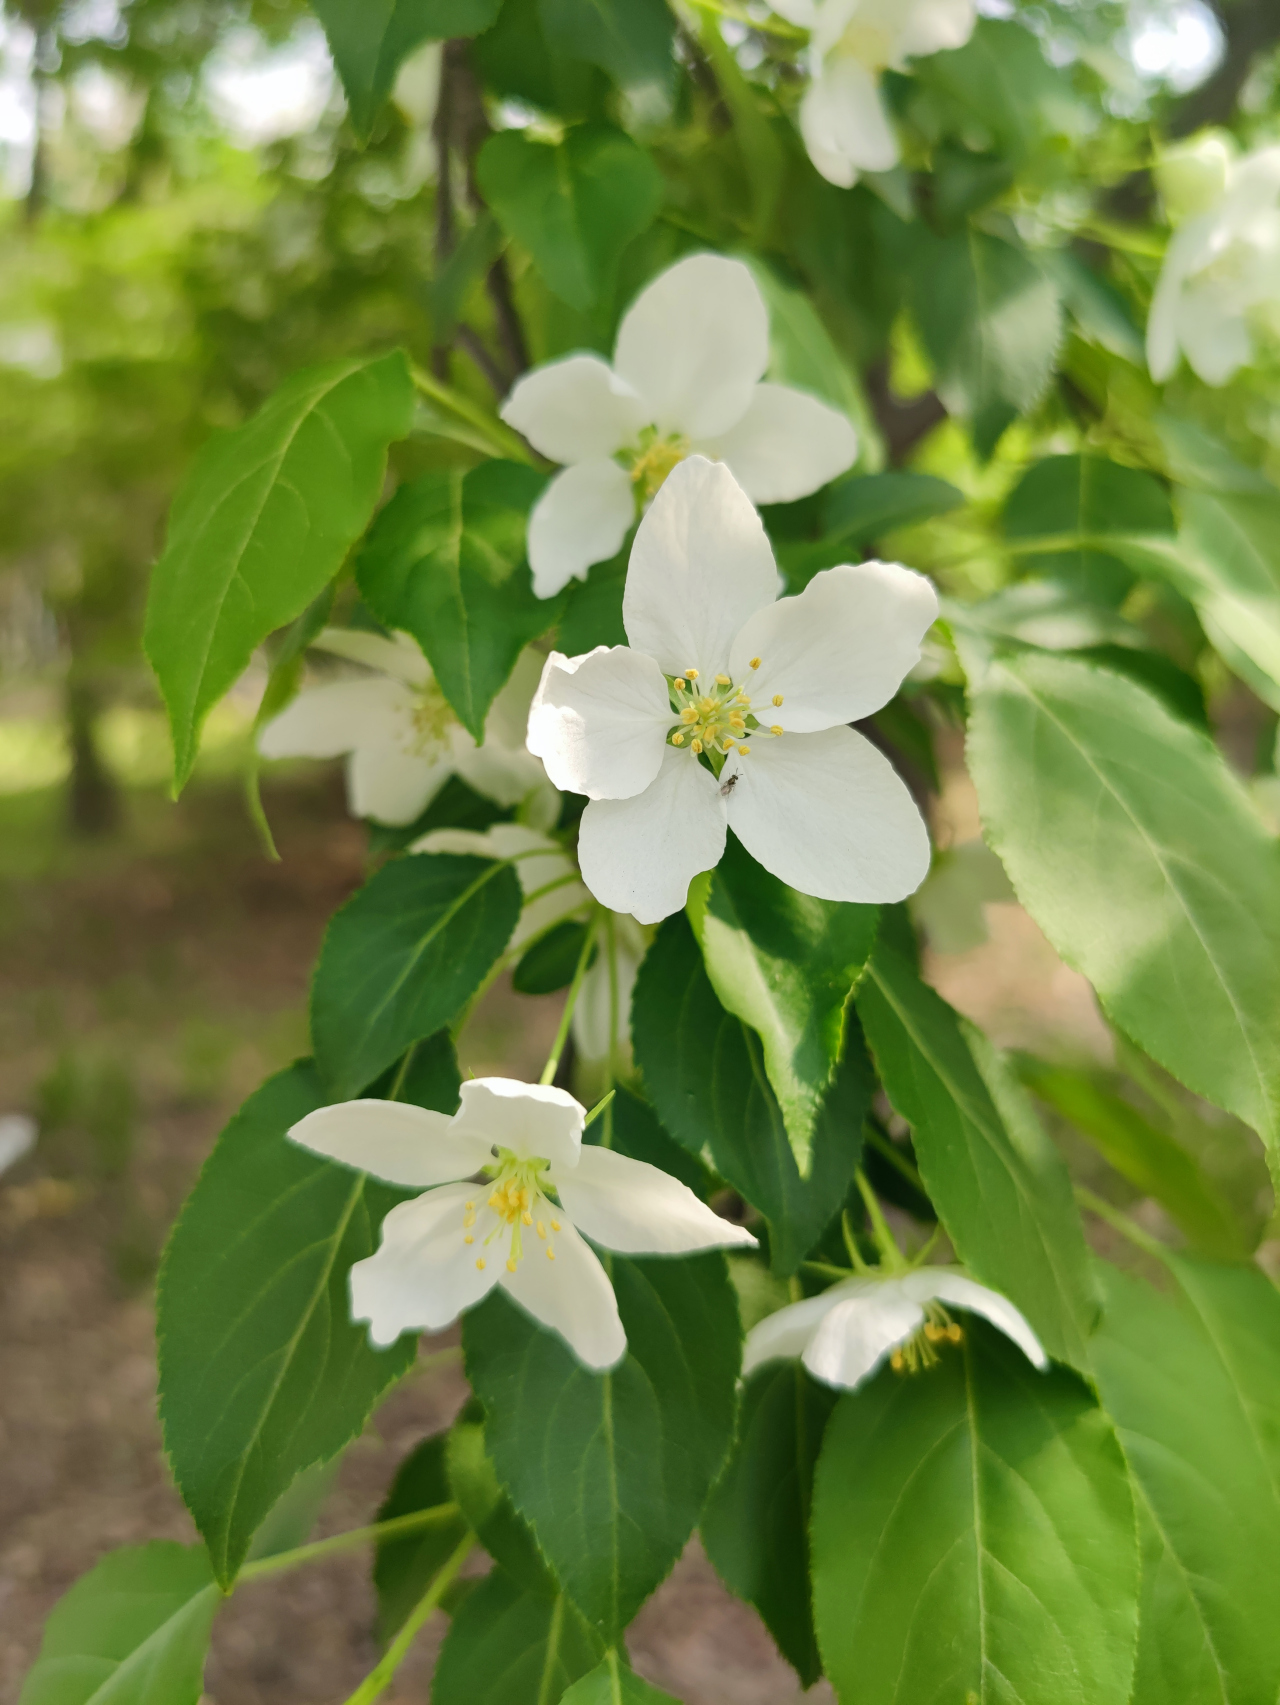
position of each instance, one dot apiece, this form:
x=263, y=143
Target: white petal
x=801, y=12
x=826, y=814
x=932, y=26
x=392, y=785
x=501, y=773
x=640, y=855
x=394, y=1141
x=572, y=1295
x=600, y=1004
x=838, y=651
x=575, y=410
x=508, y=718
x=701, y=564
x=963, y=1292
x=18, y=1135
x=1214, y=339
x=325, y=722
x=858, y=1333
x=423, y=1274
x=693, y=344
x=533, y=1120
x=844, y=124
x=786, y=1334
x=638, y=1209
x=400, y=656
x=581, y=518
x=599, y=722
x=786, y=445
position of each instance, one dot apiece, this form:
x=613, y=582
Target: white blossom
x=721, y=673
x=399, y=734
x=18, y=1135
x=520, y=1227
x=846, y=1333
x=843, y=119
x=549, y=880
x=686, y=376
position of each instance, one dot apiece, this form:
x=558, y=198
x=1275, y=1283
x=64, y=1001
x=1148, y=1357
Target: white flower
x=17, y=1138
x=842, y=116
x=1220, y=283
x=718, y=668
x=605, y=996
x=399, y=732
x=686, y=373
x=549, y=878
x=844, y=1335
x=444, y=1251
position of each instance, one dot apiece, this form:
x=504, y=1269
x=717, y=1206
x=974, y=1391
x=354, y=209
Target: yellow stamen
x=480, y=1263
x=511, y=1265
x=954, y=1333
x=527, y=1217
x=468, y=1238
x=695, y=745
x=777, y=698
x=745, y=750
x=692, y=674
x=688, y=714
x=470, y=1207
x=723, y=681
x=555, y=1225
x=776, y=729
x=895, y=1361
x=677, y=739
x=542, y=1230
x=755, y=662
x=680, y=683
x=551, y=1254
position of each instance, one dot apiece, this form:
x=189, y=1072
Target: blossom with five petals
x=399, y=733
x=843, y=1335
x=726, y=711
x=686, y=375
x=542, y=1187
x=843, y=120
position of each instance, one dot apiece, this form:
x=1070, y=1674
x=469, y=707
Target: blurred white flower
x=18, y=1136
x=843, y=120
x=605, y=996
x=549, y=878
x=443, y=1252
x=843, y=1335
x=726, y=711
x=686, y=376
x=399, y=733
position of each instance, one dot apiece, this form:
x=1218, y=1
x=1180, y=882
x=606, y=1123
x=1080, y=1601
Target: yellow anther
x=468, y=1238
x=688, y=714
x=512, y=1264
x=723, y=681
x=755, y=662
x=677, y=739
x=470, y=1207
x=692, y=674
x=542, y=1230
x=954, y=1333
x=777, y=698
x=680, y=683
x=776, y=729
x=555, y=1225
x=480, y=1263
x=551, y=1254
x=527, y=1217
x=695, y=745
x=895, y=1361
x=495, y=1201
x=745, y=750
x=737, y=721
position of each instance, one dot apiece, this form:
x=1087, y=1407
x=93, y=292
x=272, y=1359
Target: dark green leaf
x=133, y=1631
x=635, y=1132
x=973, y=1537
x=505, y=1536
x=614, y=1684
x=630, y=39
x=624, y=1459
x=511, y=1647
x=999, y=86
x=860, y=510
x=575, y=205
x=446, y=562
x=262, y=1370
x=515, y=59
x=404, y=1566
x=456, y=806
x=402, y=957
x=262, y=522
x=998, y=1183
x=593, y=612
x=1087, y=497
x=1100, y=311
x=550, y=963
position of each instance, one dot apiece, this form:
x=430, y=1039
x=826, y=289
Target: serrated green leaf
x=133, y=1631
x=973, y=1537
x=630, y=39
x=1176, y=1663
x=261, y=523
x=1140, y=857
x=402, y=957
x=505, y=1536
x=511, y=1647
x=625, y=1459
x=405, y=1565
x=858, y=511
x=786, y=964
x=613, y=1683
x=262, y=1371
x=999, y=1185
x=575, y=205
x=704, y=1073
x=446, y=562
x=635, y=1131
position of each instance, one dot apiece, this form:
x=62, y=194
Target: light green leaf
x=133, y=1631
x=262, y=523
x=1138, y=854
x=575, y=205
x=404, y=1566
x=998, y=1183
x=1230, y=550
x=615, y=1684
x=446, y=562
x=507, y=1646
x=630, y=39
x=402, y=957
x=973, y=1538
x=1086, y=495
x=860, y=510
x=1176, y=1663
x=1000, y=83
x=625, y=1459
x=785, y=964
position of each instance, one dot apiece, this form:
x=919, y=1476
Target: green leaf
x=507, y=1646
x=550, y=963
x=1138, y=854
x=1100, y=311
x=404, y=1566
x=1090, y=498
x=262, y=1370
x=446, y=562
x=624, y=1459
x=133, y=1631
x=704, y=1073
x=859, y=510
x=505, y=1536
x=1176, y=1663
x=1193, y=1383
x=575, y=205
x=261, y=523
x=630, y=39
x=514, y=59
x=973, y=1537
x=402, y=957
x=1230, y=549
x=370, y=39
x=593, y=610
x=998, y=1183
x=802, y=351
x=785, y=964
x=635, y=1132
x=615, y=1684
x=756, y=1523
x=1000, y=86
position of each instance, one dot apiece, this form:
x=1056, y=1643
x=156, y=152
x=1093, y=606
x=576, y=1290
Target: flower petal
x=399, y=656
x=572, y=1295
x=693, y=344
x=392, y=785
x=394, y=1141
x=501, y=773
x=638, y=1209
x=582, y=517
x=960, y=1291
x=826, y=814
x=787, y=1333
x=600, y=1004
x=533, y=1120
x=786, y=445
x=844, y=124
x=700, y=566
x=599, y=722
x=325, y=722
x=932, y=26
x=839, y=650
x=575, y=410
x=508, y=718
x=423, y=1274
x=639, y=855
x=858, y=1333
x=1215, y=338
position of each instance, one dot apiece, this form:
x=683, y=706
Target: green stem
x=851, y=1244
x=383, y=1672
x=765, y=26
x=890, y=1254
x=505, y=442
x=881, y=1144
x=598, y=1109
x=1120, y=1222
x=566, y=1017
x=394, y=1528
x=827, y=1271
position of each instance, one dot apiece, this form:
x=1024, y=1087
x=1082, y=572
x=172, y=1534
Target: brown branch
x=903, y=422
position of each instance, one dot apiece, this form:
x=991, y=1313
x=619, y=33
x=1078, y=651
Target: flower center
x=433, y=716
x=920, y=1349
x=870, y=43
x=654, y=459
x=715, y=717
x=517, y=1200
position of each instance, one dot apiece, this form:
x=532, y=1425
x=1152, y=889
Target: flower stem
x=599, y=1108
x=383, y=1672
x=851, y=1244
x=566, y=1017
x=890, y=1254
x=413, y=1522
x=504, y=441
x=827, y=1270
